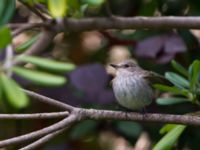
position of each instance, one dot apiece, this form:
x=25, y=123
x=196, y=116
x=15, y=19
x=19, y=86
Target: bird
x=132, y=85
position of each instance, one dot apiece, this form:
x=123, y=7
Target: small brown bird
x=132, y=85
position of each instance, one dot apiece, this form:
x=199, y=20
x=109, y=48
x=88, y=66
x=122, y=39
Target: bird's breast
x=132, y=92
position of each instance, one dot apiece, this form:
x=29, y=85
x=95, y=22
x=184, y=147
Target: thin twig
x=108, y=9
x=43, y=9
x=35, y=116
x=36, y=134
x=42, y=140
x=34, y=10
x=48, y=100
x=42, y=43
x=29, y=26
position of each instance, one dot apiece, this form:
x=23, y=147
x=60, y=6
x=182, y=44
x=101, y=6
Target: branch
x=42, y=140
x=77, y=25
x=80, y=114
x=34, y=10
x=21, y=27
x=55, y=127
x=29, y=25
x=104, y=23
x=48, y=100
x=35, y=116
x=42, y=43
x=119, y=115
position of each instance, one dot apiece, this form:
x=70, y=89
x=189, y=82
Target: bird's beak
x=114, y=66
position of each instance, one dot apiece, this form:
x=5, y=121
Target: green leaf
x=15, y=96
x=82, y=129
x=7, y=8
x=148, y=8
x=174, y=90
x=194, y=72
x=179, y=68
x=93, y=2
x=57, y=8
x=166, y=128
x=24, y=46
x=177, y=80
x=130, y=129
x=40, y=78
x=171, y=100
x=7, y=37
x=47, y=63
x=167, y=142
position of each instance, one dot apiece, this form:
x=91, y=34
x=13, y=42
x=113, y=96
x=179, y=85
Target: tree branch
x=42, y=140
x=21, y=27
x=48, y=100
x=148, y=117
x=35, y=116
x=80, y=114
x=104, y=23
x=34, y=10
x=55, y=127
x=42, y=43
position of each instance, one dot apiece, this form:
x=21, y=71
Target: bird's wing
x=154, y=78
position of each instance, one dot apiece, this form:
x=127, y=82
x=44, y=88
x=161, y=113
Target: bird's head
x=125, y=66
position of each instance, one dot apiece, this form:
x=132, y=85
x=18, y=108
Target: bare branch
x=108, y=9
x=103, y=23
x=27, y=25
x=55, y=127
x=34, y=10
x=35, y=116
x=42, y=140
x=119, y=115
x=79, y=114
x=42, y=43
x=48, y=100
x=23, y=27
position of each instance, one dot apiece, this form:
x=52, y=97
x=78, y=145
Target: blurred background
x=89, y=84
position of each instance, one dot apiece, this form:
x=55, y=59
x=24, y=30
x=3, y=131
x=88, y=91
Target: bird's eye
x=126, y=66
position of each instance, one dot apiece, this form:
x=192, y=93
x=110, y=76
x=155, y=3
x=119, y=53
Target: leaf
x=7, y=8
x=167, y=141
x=131, y=129
x=177, y=80
x=194, y=72
x=47, y=63
x=171, y=100
x=15, y=96
x=57, y=8
x=189, y=38
x=179, y=68
x=166, y=128
x=7, y=38
x=40, y=78
x=170, y=89
x=24, y=46
x=93, y=2
x=148, y=8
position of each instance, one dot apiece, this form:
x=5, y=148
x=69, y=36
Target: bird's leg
x=143, y=111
